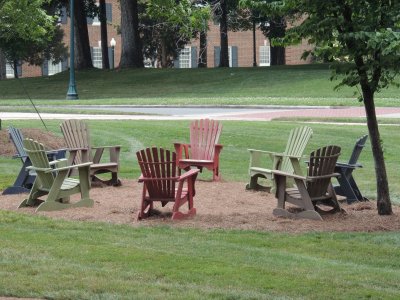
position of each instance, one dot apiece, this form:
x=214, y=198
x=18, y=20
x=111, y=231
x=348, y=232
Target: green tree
x=24, y=27
x=363, y=35
x=169, y=25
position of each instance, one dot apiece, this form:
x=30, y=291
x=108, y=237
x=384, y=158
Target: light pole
x=72, y=93
x=112, y=44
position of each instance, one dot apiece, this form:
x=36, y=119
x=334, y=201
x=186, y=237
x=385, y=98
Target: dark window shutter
x=19, y=69
x=176, y=62
x=109, y=12
x=63, y=15
x=193, y=56
x=235, y=57
x=110, y=58
x=217, y=51
x=45, y=68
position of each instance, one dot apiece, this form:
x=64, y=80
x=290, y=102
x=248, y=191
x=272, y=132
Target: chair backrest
x=204, y=135
x=297, y=142
x=360, y=143
x=159, y=171
x=76, y=135
x=322, y=162
x=38, y=157
x=17, y=138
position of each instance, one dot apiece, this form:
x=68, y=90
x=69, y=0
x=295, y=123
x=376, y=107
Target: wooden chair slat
x=262, y=164
x=77, y=136
x=204, y=147
x=158, y=167
x=56, y=185
x=316, y=188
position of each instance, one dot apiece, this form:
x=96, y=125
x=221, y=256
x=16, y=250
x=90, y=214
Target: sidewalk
x=248, y=115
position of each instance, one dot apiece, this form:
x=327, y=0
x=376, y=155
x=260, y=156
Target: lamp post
x=112, y=44
x=72, y=93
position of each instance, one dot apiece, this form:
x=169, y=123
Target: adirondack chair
x=77, y=138
x=162, y=183
x=263, y=162
x=347, y=185
x=54, y=182
x=311, y=190
x=24, y=181
x=203, y=150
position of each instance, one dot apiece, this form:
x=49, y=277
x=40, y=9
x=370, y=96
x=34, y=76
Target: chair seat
x=69, y=183
x=172, y=199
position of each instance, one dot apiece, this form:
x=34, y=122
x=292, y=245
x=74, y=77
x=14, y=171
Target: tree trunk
x=104, y=38
x=223, y=30
x=202, y=63
x=254, y=44
x=15, y=65
x=83, y=57
x=131, y=55
x=277, y=56
x=3, y=62
x=164, y=55
x=383, y=198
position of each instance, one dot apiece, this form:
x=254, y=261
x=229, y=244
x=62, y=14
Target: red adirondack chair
x=203, y=150
x=162, y=183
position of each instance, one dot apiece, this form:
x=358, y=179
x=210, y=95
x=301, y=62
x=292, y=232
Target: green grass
x=56, y=259
x=281, y=85
x=237, y=137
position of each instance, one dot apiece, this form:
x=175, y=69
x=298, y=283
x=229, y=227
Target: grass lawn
x=281, y=85
x=56, y=259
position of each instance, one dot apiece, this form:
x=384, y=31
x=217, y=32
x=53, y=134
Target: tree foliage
x=361, y=36
x=168, y=25
x=26, y=30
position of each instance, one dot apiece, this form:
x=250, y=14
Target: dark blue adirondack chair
x=24, y=181
x=347, y=185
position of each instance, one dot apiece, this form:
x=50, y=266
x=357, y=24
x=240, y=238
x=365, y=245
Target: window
x=185, y=58
x=9, y=71
x=265, y=56
x=54, y=69
x=97, y=57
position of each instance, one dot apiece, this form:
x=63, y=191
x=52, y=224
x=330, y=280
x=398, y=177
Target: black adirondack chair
x=24, y=181
x=347, y=185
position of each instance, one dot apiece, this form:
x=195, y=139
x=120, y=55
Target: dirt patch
x=219, y=205
x=49, y=139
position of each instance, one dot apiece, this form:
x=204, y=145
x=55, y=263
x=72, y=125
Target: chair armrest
x=348, y=166
x=188, y=174
x=294, y=176
x=39, y=169
x=87, y=164
x=180, y=149
x=106, y=147
x=19, y=156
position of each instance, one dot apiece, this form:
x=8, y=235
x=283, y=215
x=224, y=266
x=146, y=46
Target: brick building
x=240, y=47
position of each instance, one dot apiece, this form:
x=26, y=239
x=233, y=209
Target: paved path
x=239, y=114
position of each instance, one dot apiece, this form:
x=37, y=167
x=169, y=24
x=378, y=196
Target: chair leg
x=345, y=189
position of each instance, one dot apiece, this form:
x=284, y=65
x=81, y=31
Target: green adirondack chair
x=54, y=182
x=312, y=190
x=263, y=162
